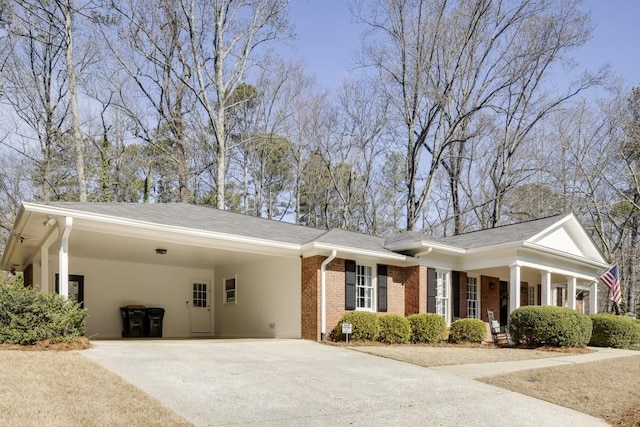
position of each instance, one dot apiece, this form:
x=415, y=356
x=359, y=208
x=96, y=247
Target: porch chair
x=500, y=334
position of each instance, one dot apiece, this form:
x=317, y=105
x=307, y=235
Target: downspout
x=63, y=259
x=323, y=294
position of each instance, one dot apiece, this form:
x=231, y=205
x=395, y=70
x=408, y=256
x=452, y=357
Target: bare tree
x=225, y=40
x=444, y=63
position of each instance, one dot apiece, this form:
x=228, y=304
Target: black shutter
x=455, y=278
x=349, y=285
x=431, y=290
x=382, y=287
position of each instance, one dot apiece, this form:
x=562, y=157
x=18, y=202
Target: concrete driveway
x=295, y=382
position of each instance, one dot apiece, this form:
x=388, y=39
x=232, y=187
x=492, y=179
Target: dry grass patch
x=429, y=356
x=63, y=388
x=606, y=389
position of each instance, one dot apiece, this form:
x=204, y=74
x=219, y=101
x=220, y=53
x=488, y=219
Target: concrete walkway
x=478, y=370
x=302, y=383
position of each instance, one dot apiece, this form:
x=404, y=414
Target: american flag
x=610, y=278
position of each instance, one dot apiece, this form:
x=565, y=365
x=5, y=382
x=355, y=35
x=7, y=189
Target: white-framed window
x=230, y=288
x=442, y=294
x=531, y=295
x=473, y=309
x=364, y=287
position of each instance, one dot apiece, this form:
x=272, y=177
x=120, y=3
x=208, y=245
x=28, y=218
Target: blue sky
x=328, y=38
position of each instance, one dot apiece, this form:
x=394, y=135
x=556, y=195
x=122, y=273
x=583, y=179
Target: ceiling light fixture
x=161, y=251
x=49, y=222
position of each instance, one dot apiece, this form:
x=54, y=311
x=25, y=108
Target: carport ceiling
x=90, y=244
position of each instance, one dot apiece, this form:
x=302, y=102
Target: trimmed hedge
x=467, y=330
x=427, y=328
x=550, y=325
x=28, y=317
x=614, y=331
x=365, y=326
x=394, y=329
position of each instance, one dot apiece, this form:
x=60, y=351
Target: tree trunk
x=73, y=95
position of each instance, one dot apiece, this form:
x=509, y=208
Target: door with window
x=200, y=305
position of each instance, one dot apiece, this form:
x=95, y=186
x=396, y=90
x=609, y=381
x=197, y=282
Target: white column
x=44, y=262
x=571, y=292
x=593, y=298
x=514, y=287
x=63, y=257
x=545, y=288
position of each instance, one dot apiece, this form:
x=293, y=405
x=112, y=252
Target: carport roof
x=198, y=218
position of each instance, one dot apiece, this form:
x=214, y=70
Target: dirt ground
x=606, y=389
x=428, y=356
x=63, y=388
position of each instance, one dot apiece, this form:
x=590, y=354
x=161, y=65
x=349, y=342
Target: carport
x=193, y=262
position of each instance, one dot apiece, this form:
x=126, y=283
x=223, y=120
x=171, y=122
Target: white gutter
x=323, y=294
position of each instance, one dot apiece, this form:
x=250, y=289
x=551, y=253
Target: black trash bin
x=153, y=324
x=133, y=319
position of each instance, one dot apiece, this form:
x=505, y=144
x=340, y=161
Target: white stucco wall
x=109, y=285
x=268, y=300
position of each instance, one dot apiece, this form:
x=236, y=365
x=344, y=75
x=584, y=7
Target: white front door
x=200, y=307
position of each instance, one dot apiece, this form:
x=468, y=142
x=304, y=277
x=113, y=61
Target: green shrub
x=394, y=329
x=467, y=330
x=614, y=331
x=365, y=326
x=28, y=317
x=550, y=325
x=427, y=328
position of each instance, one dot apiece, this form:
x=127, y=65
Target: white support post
x=63, y=257
x=593, y=298
x=571, y=292
x=514, y=287
x=545, y=288
x=44, y=262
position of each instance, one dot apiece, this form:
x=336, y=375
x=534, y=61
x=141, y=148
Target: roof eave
x=13, y=241
x=422, y=245
x=317, y=246
x=152, y=226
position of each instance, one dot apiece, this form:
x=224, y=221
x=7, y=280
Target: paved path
x=302, y=383
x=478, y=370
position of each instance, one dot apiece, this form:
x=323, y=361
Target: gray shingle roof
x=501, y=235
x=200, y=218
x=349, y=239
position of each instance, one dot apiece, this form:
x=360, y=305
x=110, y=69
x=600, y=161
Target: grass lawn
x=63, y=388
x=606, y=389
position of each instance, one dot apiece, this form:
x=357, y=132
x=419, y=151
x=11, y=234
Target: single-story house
x=222, y=274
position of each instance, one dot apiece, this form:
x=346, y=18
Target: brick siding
x=415, y=293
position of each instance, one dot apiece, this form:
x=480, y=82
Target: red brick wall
x=395, y=289
x=335, y=294
x=489, y=298
x=310, y=304
x=311, y=289
x=415, y=292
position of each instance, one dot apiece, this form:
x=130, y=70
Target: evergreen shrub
x=427, y=328
x=28, y=317
x=365, y=326
x=614, y=331
x=549, y=325
x=394, y=329
x=467, y=331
